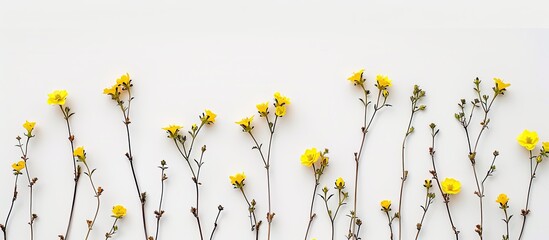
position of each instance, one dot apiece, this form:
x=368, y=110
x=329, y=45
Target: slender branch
x=435, y=176
x=141, y=195
x=159, y=213
x=428, y=201
x=390, y=225
x=77, y=169
x=219, y=209
x=526, y=210
x=251, y=210
x=5, y=226
x=311, y=214
x=113, y=230
x=97, y=192
x=31, y=182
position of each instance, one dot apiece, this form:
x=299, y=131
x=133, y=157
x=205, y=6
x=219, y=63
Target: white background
x=185, y=57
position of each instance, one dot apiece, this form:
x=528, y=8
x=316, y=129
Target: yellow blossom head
x=237, y=180
x=385, y=205
x=118, y=211
x=340, y=183
x=263, y=109
x=208, y=117
x=451, y=186
x=124, y=81
x=309, y=157
x=280, y=111
x=428, y=184
x=545, y=147
x=528, y=139
x=500, y=86
x=281, y=100
x=113, y=91
x=80, y=153
x=246, y=124
x=29, y=126
x=18, y=166
x=57, y=97
x=383, y=82
x=502, y=200
x=357, y=78
x=173, y=130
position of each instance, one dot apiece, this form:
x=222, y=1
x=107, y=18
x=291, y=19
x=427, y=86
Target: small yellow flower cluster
x=207, y=117
x=528, y=139
x=312, y=155
x=357, y=78
x=123, y=83
x=451, y=186
x=340, y=183
x=57, y=97
x=29, y=126
x=502, y=200
x=500, y=86
x=18, y=166
x=118, y=211
x=246, y=124
x=385, y=205
x=80, y=153
x=382, y=81
x=237, y=180
x=173, y=130
x=280, y=104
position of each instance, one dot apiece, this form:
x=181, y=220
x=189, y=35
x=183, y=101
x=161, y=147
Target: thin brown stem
x=311, y=214
x=77, y=170
x=435, y=176
x=97, y=195
x=526, y=210
x=159, y=213
x=31, y=182
x=112, y=231
x=5, y=226
x=141, y=195
x=390, y=225
x=251, y=210
x=427, y=204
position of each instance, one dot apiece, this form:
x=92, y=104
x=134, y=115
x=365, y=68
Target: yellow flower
x=281, y=100
x=113, y=91
x=246, y=124
x=502, y=200
x=528, y=139
x=118, y=211
x=124, y=81
x=208, y=117
x=386, y=205
x=57, y=97
x=280, y=111
x=29, y=126
x=500, y=85
x=80, y=153
x=383, y=82
x=340, y=183
x=451, y=186
x=173, y=130
x=356, y=78
x=427, y=183
x=18, y=166
x=309, y=157
x=263, y=109
x=237, y=180
x=545, y=146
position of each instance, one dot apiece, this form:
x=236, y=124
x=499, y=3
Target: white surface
x=186, y=57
